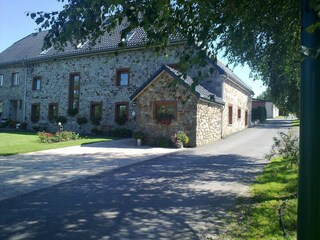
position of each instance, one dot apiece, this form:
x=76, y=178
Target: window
x=35, y=112
x=230, y=114
x=1, y=80
x=15, y=79
x=246, y=118
x=53, y=111
x=122, y=78
x=36, y=83
x=165, y=111
x=122, y=113
x=239, y=113
x=74, y=93
x=96, y=112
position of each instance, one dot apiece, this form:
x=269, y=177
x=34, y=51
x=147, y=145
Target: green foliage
x=73, y=112
x=15, y=142
x=82, y=120
x=259, y=113
x=96, y=121
x=46, y=137
x=285, y=145
x=122, y=120
x=179, y=139
x=121, y=133
x=138, y=135
x=61, y=119
x=162, y=142
x=259, y=218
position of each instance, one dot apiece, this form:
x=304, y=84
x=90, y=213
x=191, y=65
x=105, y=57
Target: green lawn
x=21, y=142
x=259, y=218
x=295, y=123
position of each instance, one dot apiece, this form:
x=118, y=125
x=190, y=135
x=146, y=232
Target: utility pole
x=309, y=168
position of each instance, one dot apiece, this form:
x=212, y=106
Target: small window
x=53, y=111
x=165, y=111
x=123, y=77
x=36, y=83
x=96, y=112
x=1, y=80
x=246, y=118
x=35, y=112
x=15, y=79
x=239, y=113
x=122, y=113
x=74, y=93
x=230, y=114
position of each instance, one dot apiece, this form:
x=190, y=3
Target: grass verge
x=22, y=142
x=295, y=123
x=258, y=218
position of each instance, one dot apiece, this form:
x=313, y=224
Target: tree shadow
x=178, y=196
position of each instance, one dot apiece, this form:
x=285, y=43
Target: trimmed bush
x=162, y=142
x=63, y=136
x=121, y=133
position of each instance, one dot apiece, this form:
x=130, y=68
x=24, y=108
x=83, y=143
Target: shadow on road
x=171, y=197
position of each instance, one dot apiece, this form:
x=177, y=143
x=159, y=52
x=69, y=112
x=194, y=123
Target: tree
x=266, y=36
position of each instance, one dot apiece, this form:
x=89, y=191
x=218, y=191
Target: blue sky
x=15, y=25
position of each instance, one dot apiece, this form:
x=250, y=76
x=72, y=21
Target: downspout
x=24, y=93
x=224, y=77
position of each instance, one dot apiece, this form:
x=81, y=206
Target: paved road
x=183, y=195
x=24, y=173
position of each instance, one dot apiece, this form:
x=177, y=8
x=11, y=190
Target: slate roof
x=200, y=91
x=223, y=69
x=30, y=47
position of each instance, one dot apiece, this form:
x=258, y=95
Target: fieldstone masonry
x=204, y=122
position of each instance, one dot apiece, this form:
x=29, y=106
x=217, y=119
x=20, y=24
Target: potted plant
x=139, y=136
x=179, y=139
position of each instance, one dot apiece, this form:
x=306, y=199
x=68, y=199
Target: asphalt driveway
x=183, y=195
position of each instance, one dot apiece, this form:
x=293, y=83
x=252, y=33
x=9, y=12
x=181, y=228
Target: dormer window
x=45, y=51
x=81, y=45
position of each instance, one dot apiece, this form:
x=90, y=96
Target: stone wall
x=10, y=94
x=186, y=110
x=238, y=98
x=98, y=84
x=208, y=122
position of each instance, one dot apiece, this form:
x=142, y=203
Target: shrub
x=138, y=135
x=179, y=139
x=121, y=132
x=122, y=120
x=285, y=145
x=73, y=112
x=82, y=120
x=162, y=142
x=96, y=120
x=46, y=137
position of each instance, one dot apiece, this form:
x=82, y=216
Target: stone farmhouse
x=116, y=87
